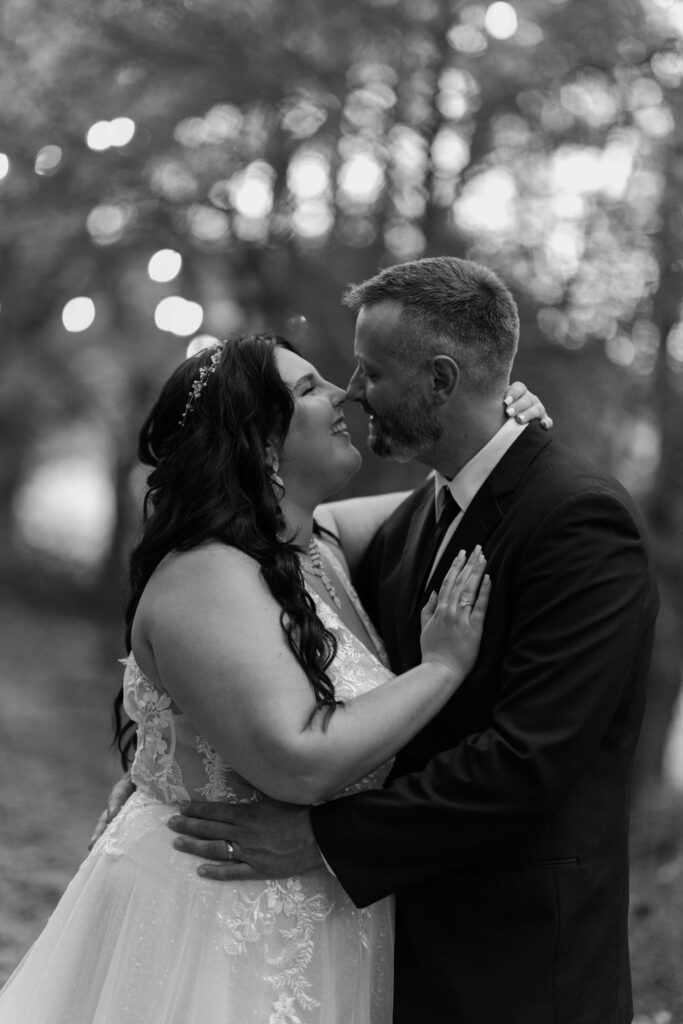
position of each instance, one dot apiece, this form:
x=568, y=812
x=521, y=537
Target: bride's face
x=316, y=457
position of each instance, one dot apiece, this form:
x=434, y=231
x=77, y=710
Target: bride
x=253, y=670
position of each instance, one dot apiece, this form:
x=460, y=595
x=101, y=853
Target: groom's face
x=394, y=394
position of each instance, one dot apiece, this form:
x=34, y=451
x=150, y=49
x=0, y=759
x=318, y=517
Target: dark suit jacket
x=504, y=827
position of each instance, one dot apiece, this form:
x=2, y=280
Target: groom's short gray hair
x=451, y=307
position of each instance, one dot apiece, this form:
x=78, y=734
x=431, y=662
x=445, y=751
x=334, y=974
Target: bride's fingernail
x=508, y=400
x=521, y=418
x=173, y=822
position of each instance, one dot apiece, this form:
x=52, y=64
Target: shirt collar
x=467, y=482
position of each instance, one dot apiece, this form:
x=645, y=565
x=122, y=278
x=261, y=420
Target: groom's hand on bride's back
x=261, y=839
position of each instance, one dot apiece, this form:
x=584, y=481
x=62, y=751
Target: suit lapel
x=490, y=502
x=417, y=534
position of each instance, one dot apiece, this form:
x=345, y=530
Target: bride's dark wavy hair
x=210, y=482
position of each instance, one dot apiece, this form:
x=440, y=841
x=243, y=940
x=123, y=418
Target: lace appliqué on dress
x=352, y=666
x=280, y=923
x=216, y=771
x=154, y=764
x=291, y=939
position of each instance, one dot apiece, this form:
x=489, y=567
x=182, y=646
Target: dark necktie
x=449, y=510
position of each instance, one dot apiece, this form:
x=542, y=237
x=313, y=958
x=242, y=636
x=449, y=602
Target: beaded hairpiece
x=199, y=384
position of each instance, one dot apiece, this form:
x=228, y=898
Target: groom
x=503, y=829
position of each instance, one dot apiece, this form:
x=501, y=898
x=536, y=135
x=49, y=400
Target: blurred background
x=173, y=171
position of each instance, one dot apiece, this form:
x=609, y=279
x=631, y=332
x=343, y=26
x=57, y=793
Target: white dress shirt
x=467, y=482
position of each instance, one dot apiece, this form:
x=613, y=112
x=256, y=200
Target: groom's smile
x=402, y=423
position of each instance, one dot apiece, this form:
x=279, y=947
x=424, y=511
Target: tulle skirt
x=140, y=938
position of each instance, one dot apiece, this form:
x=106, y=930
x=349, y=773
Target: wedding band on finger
x=231, y=850
x=464, y=603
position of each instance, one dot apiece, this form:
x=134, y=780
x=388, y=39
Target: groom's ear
x=445, y=379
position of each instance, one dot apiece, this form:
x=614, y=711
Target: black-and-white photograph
x=341, y=478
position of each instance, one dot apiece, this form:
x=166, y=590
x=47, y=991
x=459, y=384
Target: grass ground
x=55, y=765
x=56, y=769
x=656, y=933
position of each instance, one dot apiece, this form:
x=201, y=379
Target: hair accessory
x=199, y=384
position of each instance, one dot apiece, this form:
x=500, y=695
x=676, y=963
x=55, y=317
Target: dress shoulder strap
x=342, y=573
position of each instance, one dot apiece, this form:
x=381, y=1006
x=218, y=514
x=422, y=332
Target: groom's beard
x=406, y=431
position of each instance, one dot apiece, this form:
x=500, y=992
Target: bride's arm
x=210, y=635
x=355, y=521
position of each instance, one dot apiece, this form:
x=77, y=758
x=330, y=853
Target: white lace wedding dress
x=140, y=938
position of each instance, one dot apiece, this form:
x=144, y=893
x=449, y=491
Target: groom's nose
x=354, y=390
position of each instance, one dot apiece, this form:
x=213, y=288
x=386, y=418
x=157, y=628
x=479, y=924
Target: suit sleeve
x=579, y=642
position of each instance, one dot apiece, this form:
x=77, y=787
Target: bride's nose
x=338, y=396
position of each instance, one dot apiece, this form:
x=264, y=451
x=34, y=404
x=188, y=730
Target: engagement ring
x=231, y=850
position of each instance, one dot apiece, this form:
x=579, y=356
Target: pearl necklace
x=312, y=563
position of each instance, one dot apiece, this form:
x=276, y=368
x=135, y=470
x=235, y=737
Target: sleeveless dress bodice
x=140, y=938
x=174, y=763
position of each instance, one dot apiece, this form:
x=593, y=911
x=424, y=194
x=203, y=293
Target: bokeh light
x=450, y=152
x=78, y=314
x=488, y=202
x=313, y=219
x=501, y=20
x=105, y=134
x=251, y=191
x=207, y=224
x=361, y=178
x=467, y=39
x=178, y=316
x=308, y=174
x=675, y=17
x=219, y=125
x=106, y=223
x=165, y=265
x=405, y=241
x=303, y=117
x=98, y=136
x=4, y=165
x=172, y=179
x=67, y=507
x=48, y=160
x=121, y=131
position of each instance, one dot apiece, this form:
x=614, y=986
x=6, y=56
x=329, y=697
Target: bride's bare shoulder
x=211, y=572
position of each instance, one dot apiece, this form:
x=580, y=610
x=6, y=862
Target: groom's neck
x=466, y=431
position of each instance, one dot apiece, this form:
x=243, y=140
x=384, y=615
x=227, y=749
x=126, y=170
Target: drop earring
x=276, y=480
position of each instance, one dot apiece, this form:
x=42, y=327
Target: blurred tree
x=282, y=150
